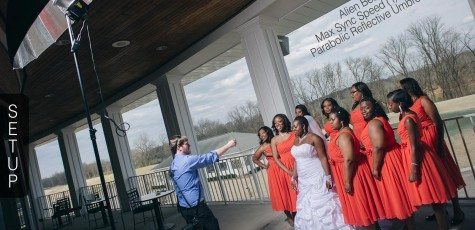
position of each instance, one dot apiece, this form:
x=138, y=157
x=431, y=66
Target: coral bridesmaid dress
x=391, y=187
x=277, y=184
x=357, y=121
x=329, y=130
x=287, y=194
x=429, y=136
x=431, y=187
x=363, y=207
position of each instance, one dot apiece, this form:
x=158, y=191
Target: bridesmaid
x=384, y=156
x=327, y=105
x=360, y=200
x=281, y=144
x=358, y=91
x=425, y=183
x=274, y=174
x=433, y=135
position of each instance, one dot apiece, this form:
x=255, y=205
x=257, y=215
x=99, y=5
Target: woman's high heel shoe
x=458, y=220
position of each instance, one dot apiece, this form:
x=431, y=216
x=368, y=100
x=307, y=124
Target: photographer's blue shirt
x=184, y=169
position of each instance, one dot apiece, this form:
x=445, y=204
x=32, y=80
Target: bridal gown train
x=317, y=207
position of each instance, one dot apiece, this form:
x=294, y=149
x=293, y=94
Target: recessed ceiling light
x=120, y=44
x=161, y=48
x=50, y=95
x=62, y=42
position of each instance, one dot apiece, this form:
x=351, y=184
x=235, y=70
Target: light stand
x=92, y=131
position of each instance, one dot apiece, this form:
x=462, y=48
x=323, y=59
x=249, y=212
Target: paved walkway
x=258, y=216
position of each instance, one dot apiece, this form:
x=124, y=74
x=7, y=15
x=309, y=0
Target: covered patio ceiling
x=52, y=85
x=200, y=40
x=228, y=48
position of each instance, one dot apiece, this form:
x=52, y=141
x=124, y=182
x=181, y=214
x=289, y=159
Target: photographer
x=184, y=172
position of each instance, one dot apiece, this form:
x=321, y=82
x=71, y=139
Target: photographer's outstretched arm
x=223, y=149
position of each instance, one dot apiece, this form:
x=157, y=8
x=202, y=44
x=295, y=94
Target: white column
x=164, y=95
x=75, y=176
x=171, y=94
x=267, y=68
x=34, y=177
x=472, y=6
x=121, y=143
x=182, y=111
x=119, y=154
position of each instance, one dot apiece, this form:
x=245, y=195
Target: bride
x=318, y=206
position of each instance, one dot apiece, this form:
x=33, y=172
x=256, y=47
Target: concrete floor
x=256, y=216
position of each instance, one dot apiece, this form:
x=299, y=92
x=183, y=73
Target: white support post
x=176, y=113
x=119, y=154
x=75, y=176
x=36, y=187
x=472, y=6
x=267, y=68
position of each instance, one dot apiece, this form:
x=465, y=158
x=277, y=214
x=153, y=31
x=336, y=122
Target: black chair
x=137, y=206
x=92, y=207
x=61, y=208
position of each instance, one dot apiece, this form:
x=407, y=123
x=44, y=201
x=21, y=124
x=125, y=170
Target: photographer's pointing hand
x=221, y=151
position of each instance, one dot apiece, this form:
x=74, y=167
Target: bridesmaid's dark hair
x=342, y=114
x=402, y=97
x=411, y=86
x=303, y=121
x=363, y=89
x=304, y=109
x=331, y=100
x=269, y=133
x=377, y=108
x=287, y=126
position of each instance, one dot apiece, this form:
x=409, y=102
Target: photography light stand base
x=92, y=131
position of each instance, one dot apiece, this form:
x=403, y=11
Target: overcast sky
x=213, y=96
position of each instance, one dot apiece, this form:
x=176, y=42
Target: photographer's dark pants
x=206, y=217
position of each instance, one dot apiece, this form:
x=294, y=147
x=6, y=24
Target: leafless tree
x=395, y=54
x=441, y=47
x=356, y=66
x=467, y=42
x=245, y=118
x=425, y=76
x=142, y=151
x=341, y=81
x=207, y=128
x=305, y=94
x=143, y=144
x=318, y=84
x=364, y=69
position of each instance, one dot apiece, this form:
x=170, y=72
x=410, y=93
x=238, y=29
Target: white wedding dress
x=317, y=207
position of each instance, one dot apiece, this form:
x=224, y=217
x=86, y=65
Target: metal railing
x=153, y=182
x=460, y=139
x=97, y=189
x=46, y=202
x=236, y=178
x=21, y=215
x=459, y=136
x=233, y=179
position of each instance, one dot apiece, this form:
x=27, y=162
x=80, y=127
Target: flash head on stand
x=77, y=11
